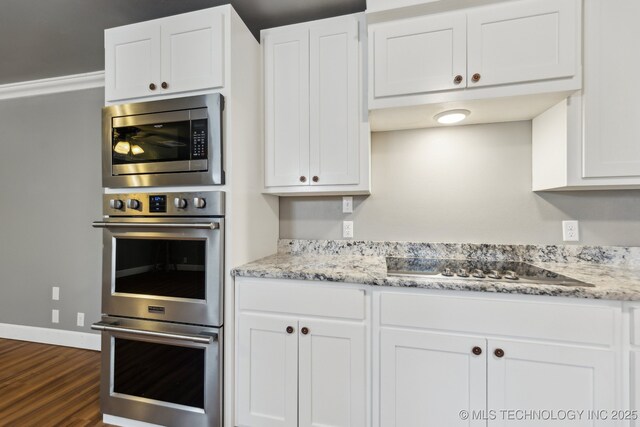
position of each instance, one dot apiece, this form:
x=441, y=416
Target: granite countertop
x=615, y=272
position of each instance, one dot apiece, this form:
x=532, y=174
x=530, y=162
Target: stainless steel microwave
x=163, y=143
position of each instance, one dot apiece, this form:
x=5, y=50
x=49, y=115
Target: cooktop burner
x=504, y=271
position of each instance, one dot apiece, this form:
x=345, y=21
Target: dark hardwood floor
x=46, y=385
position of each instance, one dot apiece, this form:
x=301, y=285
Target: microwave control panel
x=199, y=139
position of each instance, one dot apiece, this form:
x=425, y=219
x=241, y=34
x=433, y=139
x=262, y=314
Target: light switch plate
x=55, y=293
x=347, y=204
x=55, y=316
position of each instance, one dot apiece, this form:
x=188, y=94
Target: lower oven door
x=164, y=269
x=161, y=373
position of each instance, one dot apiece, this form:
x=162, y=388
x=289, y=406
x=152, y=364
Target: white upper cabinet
x=425, y=54
x=316, y=134
x=286, y=74
x=521, y=42
x=591, y=140
x=131, y=61
x=611, y=108
x=524, y=53
x=193, y=51
x=180, y=53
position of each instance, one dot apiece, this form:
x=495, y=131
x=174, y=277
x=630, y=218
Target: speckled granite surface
x=615, y=271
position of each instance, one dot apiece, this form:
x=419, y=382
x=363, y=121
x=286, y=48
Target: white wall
x=463, y=184
x=50, y=192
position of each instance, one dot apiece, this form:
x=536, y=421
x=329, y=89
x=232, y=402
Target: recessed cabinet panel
x=611, y=108
x=192, y=51
x=426, y=379
x=521, y=42
x=531, y=376
x=333, y=385
x=267, y=371
x=334, y=123
x=131, y=61
x=286, y=68
x=420, y=55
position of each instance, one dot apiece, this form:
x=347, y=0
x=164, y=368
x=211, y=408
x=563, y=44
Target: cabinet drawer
x=300, y=297
x=562, y=320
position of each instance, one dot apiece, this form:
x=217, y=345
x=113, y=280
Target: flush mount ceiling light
x=451, y=116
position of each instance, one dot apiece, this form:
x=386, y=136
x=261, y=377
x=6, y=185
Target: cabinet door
x=267, y=371
x=549, y=377
x=132, y=61
x=635, y=385
x=193, y=51
x=419, y=55
x=426, y=379
x=522, y=41
x=334, y=93
x=286, y=73
x=611, y=107
x=333, y=367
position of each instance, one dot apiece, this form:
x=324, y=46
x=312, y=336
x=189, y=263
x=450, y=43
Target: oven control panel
x=175, y=204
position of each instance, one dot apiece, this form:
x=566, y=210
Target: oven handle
x=196, y=225
x=110, y=327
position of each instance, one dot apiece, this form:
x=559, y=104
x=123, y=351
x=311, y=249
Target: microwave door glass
x=163, y=142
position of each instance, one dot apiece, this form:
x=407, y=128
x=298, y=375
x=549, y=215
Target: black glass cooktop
x=503, y=271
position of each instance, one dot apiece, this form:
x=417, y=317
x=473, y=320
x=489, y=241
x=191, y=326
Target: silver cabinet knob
x=180, y=203
x=199, y=202
x=478, y=274
x=116, y=204
x=133, y=204
x=495, y=274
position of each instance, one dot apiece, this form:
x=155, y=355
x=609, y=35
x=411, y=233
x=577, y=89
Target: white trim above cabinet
x=590, y=141
x=167, y=56
x=524, y=55
x=317, y=139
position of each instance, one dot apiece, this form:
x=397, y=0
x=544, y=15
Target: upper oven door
x=163, y=143
x=164, y=269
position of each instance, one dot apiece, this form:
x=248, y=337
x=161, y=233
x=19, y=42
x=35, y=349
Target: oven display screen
x=158, y=204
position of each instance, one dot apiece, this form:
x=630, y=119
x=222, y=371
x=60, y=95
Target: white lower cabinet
x=444, y=360
x=426, y=379
x=548, y=377
x=632, y=311
x=337, y=355
x=295, y=370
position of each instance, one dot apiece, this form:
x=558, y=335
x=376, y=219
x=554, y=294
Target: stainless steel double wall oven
x=163, y=263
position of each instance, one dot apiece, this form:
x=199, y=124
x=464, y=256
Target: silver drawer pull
x=196, y=225
x=110, y=327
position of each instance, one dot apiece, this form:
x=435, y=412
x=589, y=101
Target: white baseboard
x=125, y=422
x=50, y=336
x=52, y=85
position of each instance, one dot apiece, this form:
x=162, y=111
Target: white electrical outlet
x=55, y=316
x=347, y=204
x=347, y=229
x=55, y=293
x=80, y=320
x=570, y=231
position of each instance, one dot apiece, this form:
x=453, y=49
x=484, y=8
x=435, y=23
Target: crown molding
x=52, y=85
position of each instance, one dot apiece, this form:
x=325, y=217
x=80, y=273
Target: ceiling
x=49, y=38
